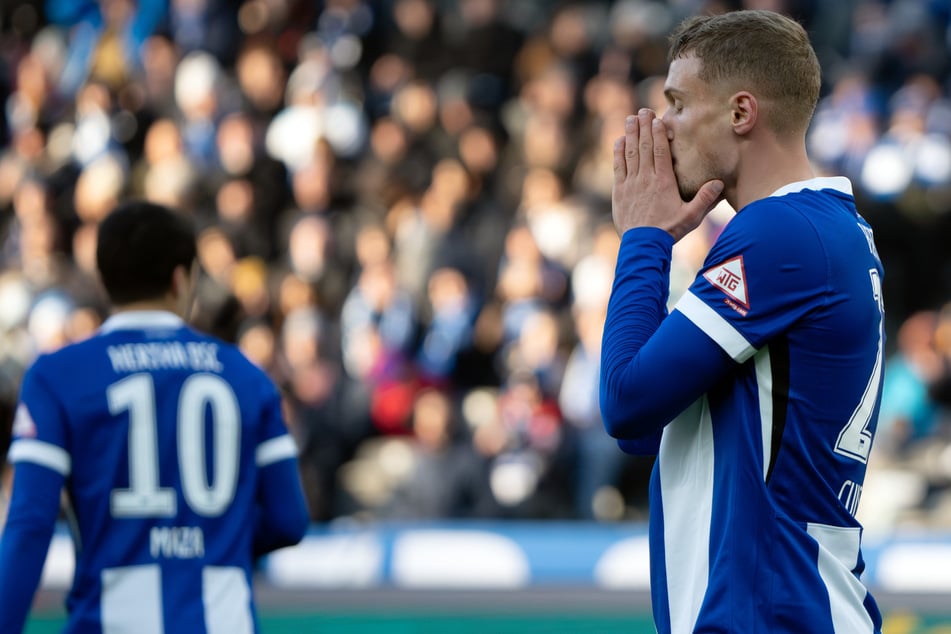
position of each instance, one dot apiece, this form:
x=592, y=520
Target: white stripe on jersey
x=764, y=384
x=227, y=599
x=41, y=453
x=274, y=450
x=686, y=482
x=838, y=556
x=132, y=600
x=716, y=327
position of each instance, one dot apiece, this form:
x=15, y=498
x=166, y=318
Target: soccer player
x=760, y=391
x=172, y=449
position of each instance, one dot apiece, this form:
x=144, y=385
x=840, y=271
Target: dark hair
x=139, y=246
x=760, y=51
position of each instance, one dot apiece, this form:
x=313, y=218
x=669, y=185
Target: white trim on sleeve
x=716, y=327
x=41, y=453
x=274, y=450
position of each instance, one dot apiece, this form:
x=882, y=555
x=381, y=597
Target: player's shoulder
x=804, y=205
x=230, y=357
x=71, y=355
x=803, y=216
x=770, y=228
x=778, y=238
x=773, y=215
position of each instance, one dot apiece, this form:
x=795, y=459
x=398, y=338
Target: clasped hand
x=645, y=192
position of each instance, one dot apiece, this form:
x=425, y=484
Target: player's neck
x=156, y=305
x=767, y=167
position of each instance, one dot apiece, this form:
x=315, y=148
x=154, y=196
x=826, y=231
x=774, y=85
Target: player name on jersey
x=179, y=542
x=167, y=355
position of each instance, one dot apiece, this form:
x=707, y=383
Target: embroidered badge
x=730, y=277
x=23, y=425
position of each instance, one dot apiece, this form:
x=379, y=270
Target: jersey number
x=144, y=497
x=855, y=439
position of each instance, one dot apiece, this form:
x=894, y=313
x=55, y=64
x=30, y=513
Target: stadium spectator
x=909, y=410
x=447, y=479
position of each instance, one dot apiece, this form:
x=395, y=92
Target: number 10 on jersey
x=145, y=496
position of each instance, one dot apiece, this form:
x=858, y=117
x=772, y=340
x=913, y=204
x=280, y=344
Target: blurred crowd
x=404, y=218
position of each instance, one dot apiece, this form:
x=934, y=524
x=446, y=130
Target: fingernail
x=629, y=122
x=656, y=123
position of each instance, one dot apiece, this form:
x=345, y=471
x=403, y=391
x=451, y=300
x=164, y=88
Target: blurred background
x=404, y=213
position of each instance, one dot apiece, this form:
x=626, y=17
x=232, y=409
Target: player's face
x=698, y=126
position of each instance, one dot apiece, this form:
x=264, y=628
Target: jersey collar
x=838, y=183
x=141, y=320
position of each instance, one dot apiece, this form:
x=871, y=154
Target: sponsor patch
x=23, y=425
x=730, y=277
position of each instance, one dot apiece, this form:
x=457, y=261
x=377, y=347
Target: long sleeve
x=281, y=510
x=34, y=507
x=652, y=366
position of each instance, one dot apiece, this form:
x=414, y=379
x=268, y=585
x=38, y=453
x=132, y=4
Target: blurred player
x=759, y=393
x=170, y=444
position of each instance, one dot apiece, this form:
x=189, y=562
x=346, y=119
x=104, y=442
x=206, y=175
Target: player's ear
x=180, y=280
x=744, y=112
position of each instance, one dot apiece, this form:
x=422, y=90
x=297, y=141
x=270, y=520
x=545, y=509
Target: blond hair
x=763, y=52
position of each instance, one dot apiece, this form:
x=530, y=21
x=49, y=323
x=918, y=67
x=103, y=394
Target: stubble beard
x=688, y=186
x=685, y=185
x=687, y=191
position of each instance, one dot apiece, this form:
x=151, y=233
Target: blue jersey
x=178, y=469
x=759, y=393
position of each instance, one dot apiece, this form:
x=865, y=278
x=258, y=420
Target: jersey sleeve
x=281, y=512
x=42, y=464
x=649, y=446
x=40, y=429
x=766, y=271
x=274, y=442
x=652, y=366
x=31, y=519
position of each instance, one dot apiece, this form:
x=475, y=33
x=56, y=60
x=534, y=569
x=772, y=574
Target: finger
x=630, y=144
x=662, y=160
x=620, y=165
x=706, y=199
x=646, y=144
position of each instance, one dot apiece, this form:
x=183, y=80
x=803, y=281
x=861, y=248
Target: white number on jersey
x=855, y=439
x=144, y=497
